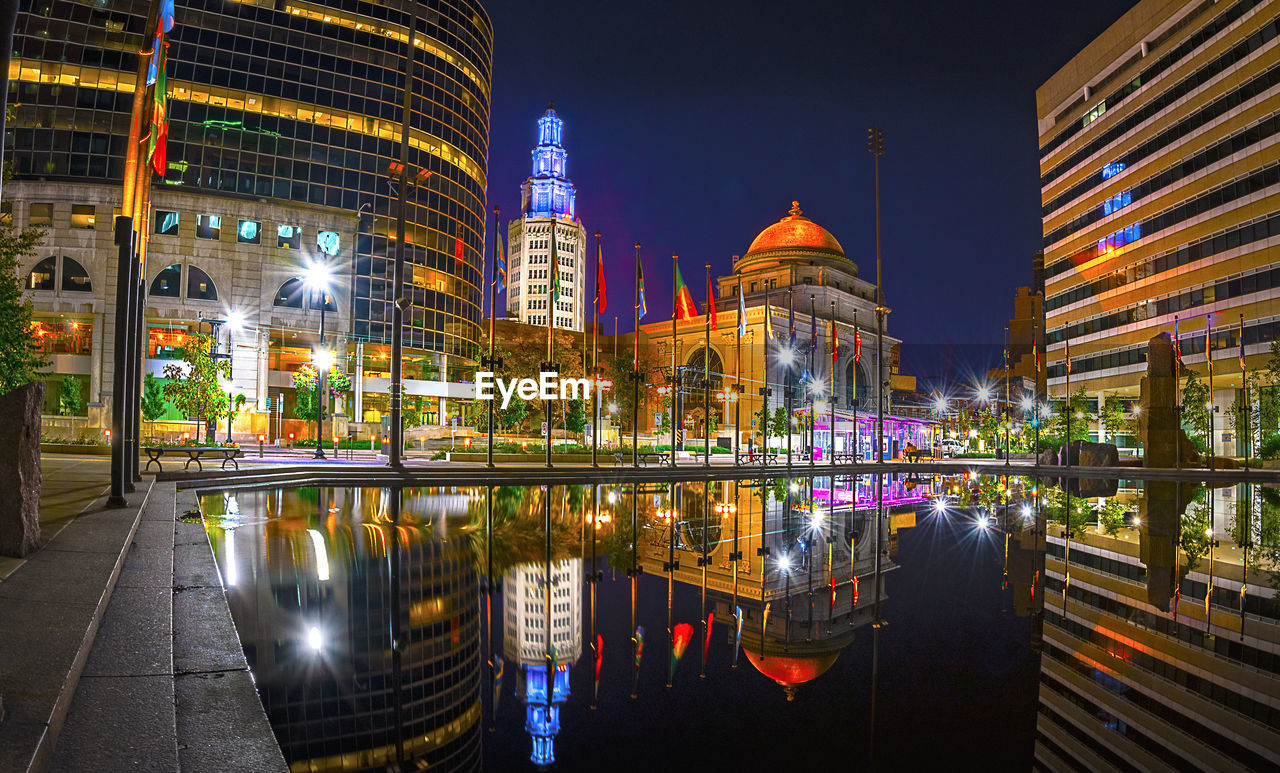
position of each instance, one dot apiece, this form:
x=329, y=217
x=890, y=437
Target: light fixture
x=314, y=640
x=235, y=320
x=323, y=360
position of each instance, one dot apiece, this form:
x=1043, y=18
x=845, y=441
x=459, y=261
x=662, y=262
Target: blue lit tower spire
x=548, y=192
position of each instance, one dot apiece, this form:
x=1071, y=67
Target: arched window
x=74, y=278
x=864, y=385
x=290, y=294
x=695, y=369
x=200, y=286
x=167, y=282
x=41, y=277
x=313, y=302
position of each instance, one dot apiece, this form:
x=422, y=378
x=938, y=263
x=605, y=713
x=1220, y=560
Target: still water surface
x=734, y=624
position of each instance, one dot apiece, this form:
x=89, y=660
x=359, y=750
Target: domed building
x=793, y=269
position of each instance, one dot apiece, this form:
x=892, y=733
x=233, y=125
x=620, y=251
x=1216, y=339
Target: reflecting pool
x=762, y=624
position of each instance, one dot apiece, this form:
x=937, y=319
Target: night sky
x=690, y=126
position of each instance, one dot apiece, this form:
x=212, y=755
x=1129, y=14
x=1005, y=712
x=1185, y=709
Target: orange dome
x=790, y=671
x=796, y=231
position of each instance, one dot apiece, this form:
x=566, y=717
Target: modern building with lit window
x=1160, y=185
x=284, y=123
x=1138, y=671
x=547, y=206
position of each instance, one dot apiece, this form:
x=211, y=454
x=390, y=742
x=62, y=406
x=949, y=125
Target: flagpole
x=493, y=312
x=675, y=380
x=595, y=359
x=635, y=373
x=789, y=389
x=1248, y=409
x=835, y=359
x=857, y=440
x=737, y=404
x=398, y=302
x=634, y=574
x=877, y=149
x=706, y=371
x=1177, y=394
x=1066, y=441
x=765, y=415
x=552, y=297
x=813, y=408
x=1209, y=444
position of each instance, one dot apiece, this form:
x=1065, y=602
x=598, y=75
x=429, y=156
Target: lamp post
x=235, y=321
x=318, y=278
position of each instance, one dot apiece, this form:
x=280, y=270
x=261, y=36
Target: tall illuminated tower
x=547, y=200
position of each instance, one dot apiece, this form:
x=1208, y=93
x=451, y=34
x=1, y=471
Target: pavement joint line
x=42, y=755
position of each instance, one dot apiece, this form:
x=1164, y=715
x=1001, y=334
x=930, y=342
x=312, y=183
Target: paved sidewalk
x=72, y=485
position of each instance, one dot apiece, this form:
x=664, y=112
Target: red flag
x=685, y=308
x=711, y=306
x=835, y=346
x=857, y=345
x=458, y=251
x=706, y=643
x=855, y=591
x=595, y=684
x=833, y=594
x=602, y=301
x=680, y=639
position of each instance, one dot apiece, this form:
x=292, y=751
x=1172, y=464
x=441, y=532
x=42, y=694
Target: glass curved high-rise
x=285, y=120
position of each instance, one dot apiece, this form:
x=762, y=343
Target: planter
x=75, y=448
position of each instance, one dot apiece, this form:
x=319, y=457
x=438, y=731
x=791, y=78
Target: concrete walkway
x=73, y=485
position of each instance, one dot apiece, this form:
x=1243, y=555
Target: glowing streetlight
x=318, y=277
x=1028, y=404
x=314, y=640
x=984, y=393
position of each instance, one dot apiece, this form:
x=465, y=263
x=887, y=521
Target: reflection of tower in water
x=362, y=633
x=544, y=641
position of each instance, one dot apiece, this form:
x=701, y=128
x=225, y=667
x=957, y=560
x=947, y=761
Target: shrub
x=1270, y=446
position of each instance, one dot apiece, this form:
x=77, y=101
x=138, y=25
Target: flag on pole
x=1177, y=342
x=157, y=142
x=855, y=590
x=640, y=287
x=813, y=332
x=857, y=345
x=680, y=638
x=711, y=306
x=791, y=327
x=459, y=250
x=601, y=300
x=737, y=637
x=835, y=349
x=555, y=277
x=768, y=325
x=1208, y=595
x=833, y=594
x=764, y=623
x=1177, y=596
x=595, y=682
x=637, y=642
x=685, y=308
x=497, y=681
x=500, y=268
x=742, y=314
x=166, y=15
x=706, y=642
x=1241, y=343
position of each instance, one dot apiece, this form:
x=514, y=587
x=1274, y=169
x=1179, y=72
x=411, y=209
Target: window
x=328, y=242
x=166, y=283
x=166, y=223
x=1112, y=169
x=41, y=277
x=1095, y=113
x=82, y=216
x=290, y=294
x=249, y=232
x=41, y=215
x=200, y=286
x=208, y=226
x=288, y=236
x=314, y=301
x=74, y=278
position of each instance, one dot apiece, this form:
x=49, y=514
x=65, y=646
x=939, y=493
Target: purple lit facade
x=899, y=431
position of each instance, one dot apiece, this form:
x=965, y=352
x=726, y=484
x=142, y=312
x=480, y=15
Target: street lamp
x=318, y=277
x=227, y=387
x=323, y=360
x=235, y=323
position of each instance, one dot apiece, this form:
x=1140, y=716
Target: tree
x=1111, y=516
x=195, y=385
x=1111, y=418
x=1081, y=412
x=69, y=402
x=575, y=416
x=304, y=392
x=780, y=426
x=618, y=370
x=1195, y=410
x=153, y=403
x=20, y=352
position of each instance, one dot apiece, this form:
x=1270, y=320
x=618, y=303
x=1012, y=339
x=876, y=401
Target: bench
x=193, y=455
x=645, y=458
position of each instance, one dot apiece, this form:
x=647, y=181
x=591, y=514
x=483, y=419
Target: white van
x=951, y=446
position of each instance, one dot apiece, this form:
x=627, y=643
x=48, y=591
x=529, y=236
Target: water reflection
x=385, y=627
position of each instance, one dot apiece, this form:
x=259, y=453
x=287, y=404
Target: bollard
x=261, y=438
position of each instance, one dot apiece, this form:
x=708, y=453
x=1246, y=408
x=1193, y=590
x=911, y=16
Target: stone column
x=444, y=379
x=95, y=360
x=262, y=380
x=357, y=383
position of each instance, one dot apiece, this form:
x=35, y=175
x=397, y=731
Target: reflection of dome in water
x=790, y=671
x=691, y=533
